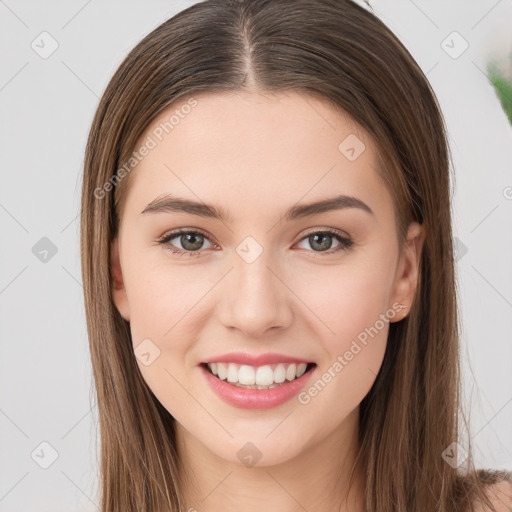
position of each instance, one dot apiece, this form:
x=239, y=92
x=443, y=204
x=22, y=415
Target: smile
x=267, y=376
x=256, y=387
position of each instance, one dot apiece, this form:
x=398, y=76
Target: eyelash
x=345, y=242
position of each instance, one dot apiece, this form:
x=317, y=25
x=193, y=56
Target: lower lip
x=255, y=398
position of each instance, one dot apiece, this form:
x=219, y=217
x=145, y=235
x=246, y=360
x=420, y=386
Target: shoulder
x=498, y=490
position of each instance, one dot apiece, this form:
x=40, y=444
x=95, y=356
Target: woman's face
x=258, y=275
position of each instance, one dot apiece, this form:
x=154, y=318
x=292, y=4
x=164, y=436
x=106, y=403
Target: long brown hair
x=341, y=52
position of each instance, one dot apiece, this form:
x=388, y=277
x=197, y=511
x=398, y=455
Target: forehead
x=260, y=149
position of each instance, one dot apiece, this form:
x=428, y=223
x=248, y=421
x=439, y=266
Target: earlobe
x=118, y=289
x=407, y=278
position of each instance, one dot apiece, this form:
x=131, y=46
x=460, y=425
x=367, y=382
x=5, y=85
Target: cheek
x=162, y=298
x=347, y=299
x=164, y=304
x=351, y=302
x=353, y=334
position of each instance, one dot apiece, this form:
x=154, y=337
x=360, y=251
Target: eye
x=322, y=240
x=190, y=241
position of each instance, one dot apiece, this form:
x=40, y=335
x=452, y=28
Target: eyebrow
x=172, y=204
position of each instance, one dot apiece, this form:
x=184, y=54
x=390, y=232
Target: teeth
x=291, y=372
x=261, y=377
x=246, y=375
x=301, y=369
x=222, y=370
x=280, y=373
x=233, y=373
x=264, y=376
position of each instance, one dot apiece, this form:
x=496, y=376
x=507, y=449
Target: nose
x=255, y=298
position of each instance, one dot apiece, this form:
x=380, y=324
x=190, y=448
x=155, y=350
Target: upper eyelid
x=185, y=231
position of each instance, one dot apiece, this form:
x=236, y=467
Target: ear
x=407, y=275
x=118, y=290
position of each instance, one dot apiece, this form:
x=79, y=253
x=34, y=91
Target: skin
x=256, y=156
x=500, y=495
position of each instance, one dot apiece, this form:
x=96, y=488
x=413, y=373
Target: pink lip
x=255, y=398
x=262, y=359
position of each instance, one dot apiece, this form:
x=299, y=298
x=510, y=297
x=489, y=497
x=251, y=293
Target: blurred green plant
x=502, y=82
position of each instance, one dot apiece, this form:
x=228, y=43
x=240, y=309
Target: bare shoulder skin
x=500, y=494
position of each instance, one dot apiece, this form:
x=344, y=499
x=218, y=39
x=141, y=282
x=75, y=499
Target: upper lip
x=255, y=360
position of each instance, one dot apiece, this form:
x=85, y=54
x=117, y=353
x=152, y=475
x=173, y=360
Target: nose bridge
x=257, y=299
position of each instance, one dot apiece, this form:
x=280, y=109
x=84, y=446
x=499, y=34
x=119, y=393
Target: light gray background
x=46, y=108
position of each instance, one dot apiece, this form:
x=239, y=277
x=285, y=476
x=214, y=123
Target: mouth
x=263, y=377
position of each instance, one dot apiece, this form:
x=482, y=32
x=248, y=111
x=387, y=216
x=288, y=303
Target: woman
x=268, y=270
